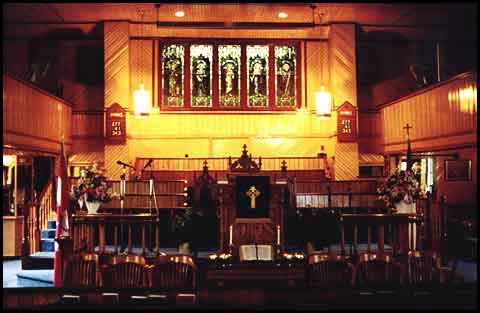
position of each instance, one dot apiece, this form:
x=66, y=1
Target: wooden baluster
x=143, y=238
x=381, y=238
x=369, y=238
x=411, y=233
x=129, y=238
x=355, y=239
x=157, y=235
x=101, y=235
x=420, y=230
x=115, y=239
x=342, y=239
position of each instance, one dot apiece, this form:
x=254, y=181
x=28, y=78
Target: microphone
x=124, y=164
x=148, y=163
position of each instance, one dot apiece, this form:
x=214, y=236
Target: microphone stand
x=154, y=198
x=122, y=197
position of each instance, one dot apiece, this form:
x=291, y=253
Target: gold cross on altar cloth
x=252, y=193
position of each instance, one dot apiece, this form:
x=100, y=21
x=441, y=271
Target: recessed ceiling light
x=282, y=15
x=179, y=14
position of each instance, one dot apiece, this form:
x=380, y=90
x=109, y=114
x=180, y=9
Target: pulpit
x=251, y=206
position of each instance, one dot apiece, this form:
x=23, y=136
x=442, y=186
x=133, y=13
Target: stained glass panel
x=285, y=74
x=173, y=73
x=201, y=75
x=257, y=73
x=229, y=75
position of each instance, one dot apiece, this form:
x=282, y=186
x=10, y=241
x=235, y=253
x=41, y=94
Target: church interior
x=240, y=155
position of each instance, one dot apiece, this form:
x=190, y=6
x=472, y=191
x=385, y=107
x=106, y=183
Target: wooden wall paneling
x=117, y=86
x=437, y=115
x=343, y=84
x=150, y=30
x=53, y=117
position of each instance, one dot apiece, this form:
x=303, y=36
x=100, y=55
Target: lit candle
x=278, y=234
x=231, y=234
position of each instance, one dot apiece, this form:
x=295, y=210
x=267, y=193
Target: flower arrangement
x=400, y=186
x=92, y=186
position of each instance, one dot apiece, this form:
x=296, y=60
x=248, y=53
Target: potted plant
x=183, y=229
x=92, y=188
x=400, y=191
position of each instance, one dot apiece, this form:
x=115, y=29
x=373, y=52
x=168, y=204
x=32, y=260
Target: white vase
x=92, y=206
x=403, y=207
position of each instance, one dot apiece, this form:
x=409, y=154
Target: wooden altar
x=268, y=227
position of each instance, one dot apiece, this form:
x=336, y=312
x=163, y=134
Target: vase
x=92, y=206
x=404, y=207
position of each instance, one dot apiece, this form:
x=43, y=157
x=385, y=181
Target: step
x=39, y=260
x=47, y=244
x=52, y=224
x=48, y=234
x=35, y=278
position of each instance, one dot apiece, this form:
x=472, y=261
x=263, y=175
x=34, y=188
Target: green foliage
x=92, y=186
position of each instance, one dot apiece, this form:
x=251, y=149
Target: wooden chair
x=177, y=271
x=423, y=267
x=125, y=271
x=329, y=270
x=80, y=270
x=378, y=269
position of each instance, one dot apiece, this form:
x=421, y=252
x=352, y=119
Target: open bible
x=256, y=253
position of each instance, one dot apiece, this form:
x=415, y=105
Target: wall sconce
x=323, y=101
x=141, y=99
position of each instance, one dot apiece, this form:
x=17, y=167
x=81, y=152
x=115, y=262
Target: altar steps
x=43, y=259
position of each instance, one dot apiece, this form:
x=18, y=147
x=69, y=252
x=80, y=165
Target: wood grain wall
x=370, y=132
x=444, y=120
x=443, y=116
x=343, y=77
x=117, y=84
x=34, y=119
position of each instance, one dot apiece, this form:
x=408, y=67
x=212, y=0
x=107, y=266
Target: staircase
x=43, y=259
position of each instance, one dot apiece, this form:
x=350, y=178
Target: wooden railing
x=116, y=231
x=222, y=164
x=51, y=122
x=37, y=218
x=336, y=194
x=403, y=231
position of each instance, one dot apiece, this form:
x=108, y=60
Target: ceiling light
x=282, y=15
x=179, y=14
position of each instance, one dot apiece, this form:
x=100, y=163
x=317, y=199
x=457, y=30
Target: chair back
x=329, y=270
x=378, y=269
x=177, y=271
x=125, y=271
x=423, y=267
x=80, y=270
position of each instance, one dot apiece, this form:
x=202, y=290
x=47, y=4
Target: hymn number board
x=116, y=130
x=347, y=123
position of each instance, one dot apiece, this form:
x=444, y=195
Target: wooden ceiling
x=384, y=14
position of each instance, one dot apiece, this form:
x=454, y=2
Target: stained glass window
x=229, y=75
x=257, y=73
x=172, y=73
x=201, y=75
x=285, y=74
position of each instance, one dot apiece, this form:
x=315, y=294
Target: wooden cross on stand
x=407, y=127
x=252, y=193
x=409, y=149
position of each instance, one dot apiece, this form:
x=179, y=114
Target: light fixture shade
x=141, y=99
x=323, y=101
